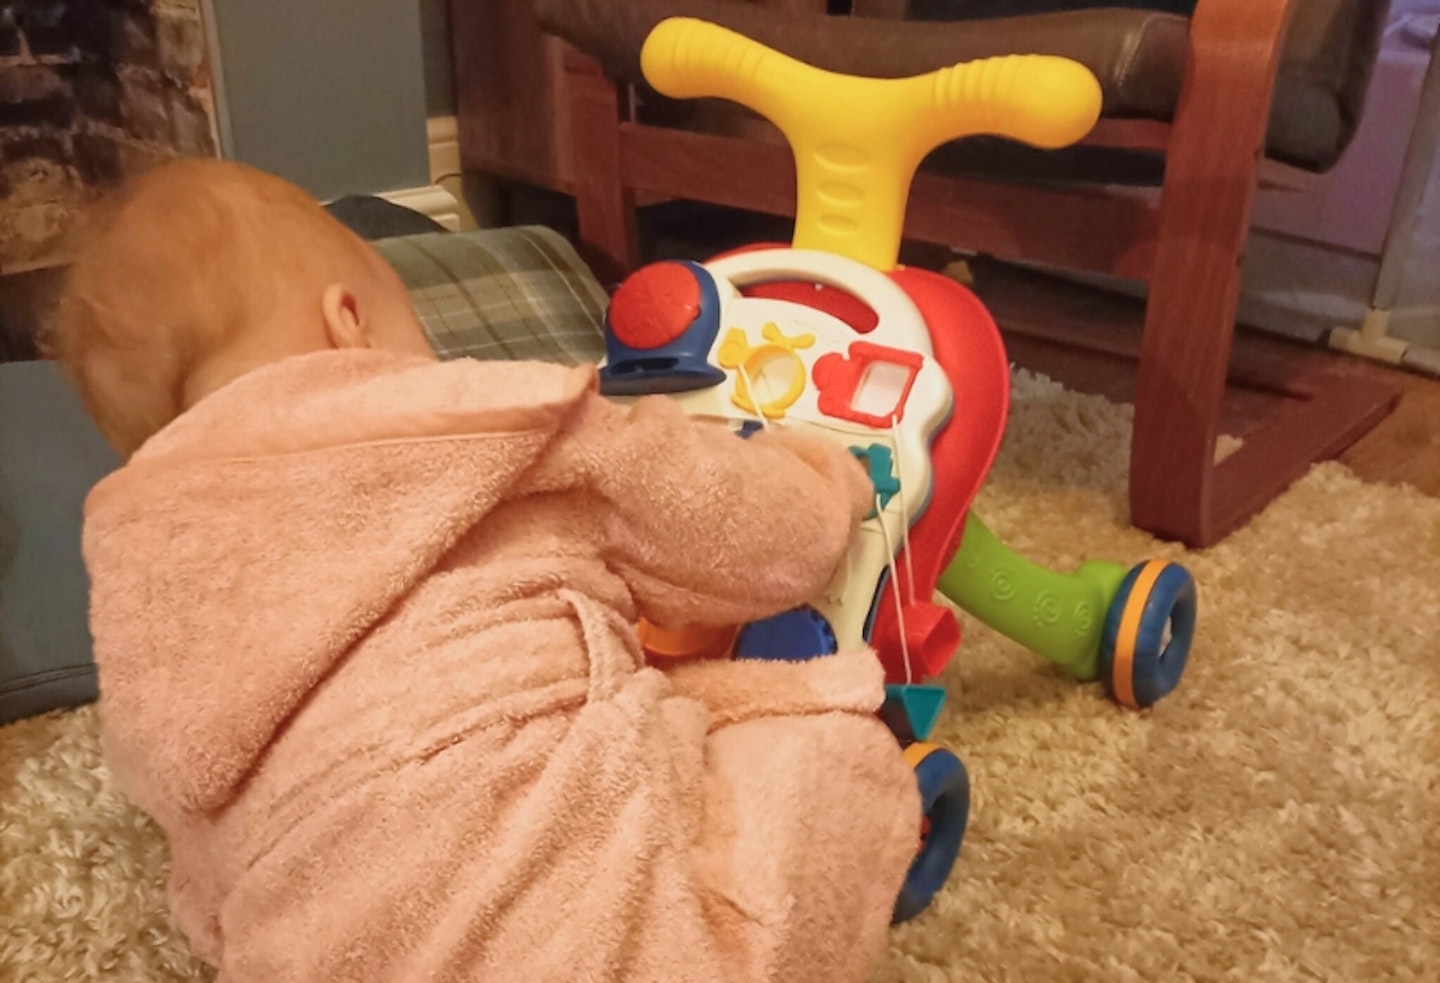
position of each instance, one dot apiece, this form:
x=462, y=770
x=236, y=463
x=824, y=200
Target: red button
x=654, y=306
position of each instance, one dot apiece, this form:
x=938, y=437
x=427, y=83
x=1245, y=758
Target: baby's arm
x=710, y=528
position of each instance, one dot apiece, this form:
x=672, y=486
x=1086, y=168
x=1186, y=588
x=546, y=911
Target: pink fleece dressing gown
x=364, y=628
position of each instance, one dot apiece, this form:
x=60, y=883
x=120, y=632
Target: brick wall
x=89, y=90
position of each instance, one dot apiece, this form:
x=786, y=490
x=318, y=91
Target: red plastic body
x=968, y=347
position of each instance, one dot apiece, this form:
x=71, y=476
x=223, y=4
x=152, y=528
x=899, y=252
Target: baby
x=364, y=624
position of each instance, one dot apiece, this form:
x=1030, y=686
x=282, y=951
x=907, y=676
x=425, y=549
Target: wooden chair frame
x=1186, y=243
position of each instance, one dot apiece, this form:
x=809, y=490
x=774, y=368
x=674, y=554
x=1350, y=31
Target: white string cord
x=755, y=406
x=895, y=587
x=904, y=510
x=754, y=396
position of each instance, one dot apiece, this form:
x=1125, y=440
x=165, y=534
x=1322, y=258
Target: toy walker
x=906, y=368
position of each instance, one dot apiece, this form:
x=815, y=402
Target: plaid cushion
x=514, y=293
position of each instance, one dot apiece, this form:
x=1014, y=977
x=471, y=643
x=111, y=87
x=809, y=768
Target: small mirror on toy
x=882, y=390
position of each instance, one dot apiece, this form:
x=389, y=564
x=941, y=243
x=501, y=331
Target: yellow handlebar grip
x=685, y=58
x=857, y=141
x=1041, y=100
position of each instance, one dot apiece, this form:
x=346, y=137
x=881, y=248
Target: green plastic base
x=1056, y=615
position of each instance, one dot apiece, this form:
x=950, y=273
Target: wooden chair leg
x=1180, y=386
x=1176, y=489
x=605, y=207
x=1216, y=144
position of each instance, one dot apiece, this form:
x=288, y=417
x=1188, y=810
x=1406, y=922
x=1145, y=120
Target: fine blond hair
x=172, y=268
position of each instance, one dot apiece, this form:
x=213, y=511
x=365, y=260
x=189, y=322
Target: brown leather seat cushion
x=1138, y=56
x=1325, y=64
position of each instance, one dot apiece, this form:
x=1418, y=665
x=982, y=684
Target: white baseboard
x=443, y=136
x=432, y=201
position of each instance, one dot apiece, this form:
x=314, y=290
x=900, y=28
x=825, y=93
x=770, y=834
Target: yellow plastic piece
x=857, y=141
x=735, y=351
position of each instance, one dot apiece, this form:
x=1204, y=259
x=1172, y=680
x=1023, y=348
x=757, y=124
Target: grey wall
x=327, y=93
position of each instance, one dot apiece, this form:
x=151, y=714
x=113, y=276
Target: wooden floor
x=1404, y=449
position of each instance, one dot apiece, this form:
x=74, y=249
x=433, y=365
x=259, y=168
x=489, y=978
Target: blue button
x=794, y=636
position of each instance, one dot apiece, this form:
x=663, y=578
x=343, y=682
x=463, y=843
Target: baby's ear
x=343, y=324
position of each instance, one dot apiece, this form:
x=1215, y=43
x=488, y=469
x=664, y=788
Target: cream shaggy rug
x=1274, y=819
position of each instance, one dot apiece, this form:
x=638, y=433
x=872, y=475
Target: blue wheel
x=1148, y=632
x=945, y=799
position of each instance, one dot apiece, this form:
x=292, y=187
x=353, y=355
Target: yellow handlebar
x=857, y=141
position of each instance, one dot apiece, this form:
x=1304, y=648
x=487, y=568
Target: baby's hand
x=833, y=461
x=705, y=527
x=842, y=473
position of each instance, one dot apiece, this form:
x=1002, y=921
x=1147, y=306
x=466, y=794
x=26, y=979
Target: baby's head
x=202, y=270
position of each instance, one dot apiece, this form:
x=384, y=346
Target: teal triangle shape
x=922, y=704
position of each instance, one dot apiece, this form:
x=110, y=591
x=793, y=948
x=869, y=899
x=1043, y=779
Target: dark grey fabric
x=50, y=457
x=375, y=218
